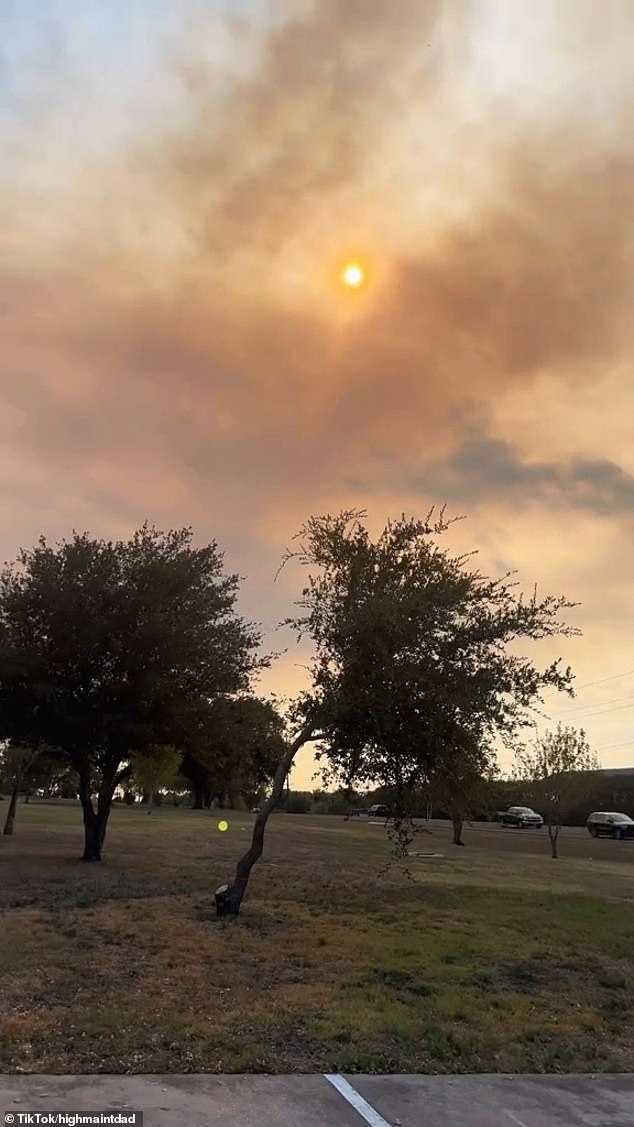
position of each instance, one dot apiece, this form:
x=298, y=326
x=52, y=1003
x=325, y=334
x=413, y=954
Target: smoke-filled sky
x=180, y=186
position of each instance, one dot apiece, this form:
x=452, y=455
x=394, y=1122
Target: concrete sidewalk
x=314, y=1101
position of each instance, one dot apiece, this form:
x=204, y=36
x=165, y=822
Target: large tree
x=103, y=643
x=459, y=783
x=231, y=746
x=247, y=742
x=557, y=771
x=411, y=656
x=154, y=769
x=16, y=763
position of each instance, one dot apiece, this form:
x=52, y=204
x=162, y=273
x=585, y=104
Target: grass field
x=494, y=958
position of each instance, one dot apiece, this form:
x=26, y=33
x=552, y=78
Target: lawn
x=492, y=958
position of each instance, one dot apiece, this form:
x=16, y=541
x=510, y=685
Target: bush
x=299, y=802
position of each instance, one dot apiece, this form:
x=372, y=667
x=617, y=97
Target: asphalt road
x=566, y=831
x=317, y=1101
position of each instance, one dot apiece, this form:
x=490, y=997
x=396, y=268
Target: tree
x=103, y=643
x=197, y=776
x=410, y=658
x=558, y=771
x=297, y=802
x=229, y=897
x=51, y=775
x=232, y=747
x=459, y=783
x=155, y=768
x=247, y=747
x=502, y=793
x=17, y=761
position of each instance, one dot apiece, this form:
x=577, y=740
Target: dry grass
x=493, y=959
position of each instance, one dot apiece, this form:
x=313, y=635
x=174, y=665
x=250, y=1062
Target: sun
x=353, y=275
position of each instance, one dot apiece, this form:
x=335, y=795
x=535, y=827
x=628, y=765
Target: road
x=319, y=1101
x=566, y=831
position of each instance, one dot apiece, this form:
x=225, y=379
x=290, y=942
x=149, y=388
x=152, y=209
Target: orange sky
x=178, y=196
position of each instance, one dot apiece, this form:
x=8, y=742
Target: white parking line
x=365, y=1110
x=516, y=1119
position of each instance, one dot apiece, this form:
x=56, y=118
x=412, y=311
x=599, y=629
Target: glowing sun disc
x=352, y=275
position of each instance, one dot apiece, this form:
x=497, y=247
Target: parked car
x=520, y=816
x=610, y=824
x=379, y=811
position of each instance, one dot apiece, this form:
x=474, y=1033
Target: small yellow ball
x=222, y=826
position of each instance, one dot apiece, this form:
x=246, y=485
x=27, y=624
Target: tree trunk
x=95, y=821
x=13, y=805
x=457, y=830
x=94, y=833
x=229, y=897
x=150, y=802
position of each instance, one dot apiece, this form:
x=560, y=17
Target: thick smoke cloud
x=175, y=343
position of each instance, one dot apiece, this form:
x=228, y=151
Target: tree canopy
x=232, y=746
x=155, y=767
x=103, y=643
x=412, y=662
x=411, y=648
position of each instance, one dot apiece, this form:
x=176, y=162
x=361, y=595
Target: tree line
x=128, y=657
x=583, y=794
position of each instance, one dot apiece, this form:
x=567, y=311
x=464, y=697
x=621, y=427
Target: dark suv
x=521, y=816
x=610, y=824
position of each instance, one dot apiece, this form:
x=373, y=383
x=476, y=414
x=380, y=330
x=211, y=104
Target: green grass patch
x=497, y=960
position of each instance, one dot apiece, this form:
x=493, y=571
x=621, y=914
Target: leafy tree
x=180, y=786
x=297, y=802
x=233, y=745
x=502, y=793
x=458, y=783
x=155, y=768
x=16, y=761
x=411, y=658
x=102, y=644
x=51, y=775
x=337, y=802
x=197, y=776
x=558, y=771
x=246, y=747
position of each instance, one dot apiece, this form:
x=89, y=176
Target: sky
x=180, y=186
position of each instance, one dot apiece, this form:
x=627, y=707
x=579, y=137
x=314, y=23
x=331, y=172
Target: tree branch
x=229, y=898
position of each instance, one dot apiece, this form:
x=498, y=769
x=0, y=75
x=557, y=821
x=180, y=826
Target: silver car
x=610, y=824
